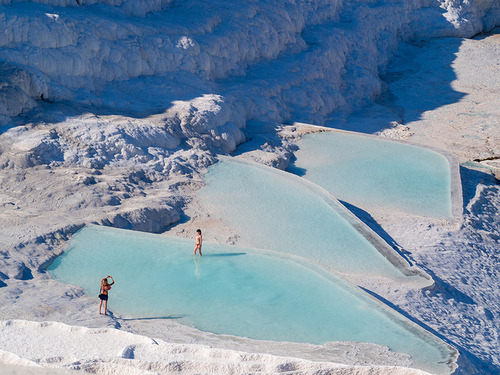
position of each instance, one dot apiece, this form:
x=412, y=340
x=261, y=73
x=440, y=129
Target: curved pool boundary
x=387, y=251
x=447, y=351
x=456, y=182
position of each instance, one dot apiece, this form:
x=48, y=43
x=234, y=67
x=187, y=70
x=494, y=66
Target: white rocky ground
x=111, y=351
x=112, y=110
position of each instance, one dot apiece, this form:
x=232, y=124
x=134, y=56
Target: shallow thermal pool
x=236, y=291
x=368, y=172
x=278, y=211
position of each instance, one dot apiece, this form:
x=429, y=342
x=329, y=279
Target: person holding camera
x=103, y=295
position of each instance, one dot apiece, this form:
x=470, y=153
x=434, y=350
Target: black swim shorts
x=104, y=297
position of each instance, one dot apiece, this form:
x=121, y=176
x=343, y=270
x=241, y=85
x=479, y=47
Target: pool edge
x=446, y=349
x=455, y=183
x=387, y=251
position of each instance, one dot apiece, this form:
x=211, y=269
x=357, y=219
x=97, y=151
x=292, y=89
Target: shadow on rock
x=366, y=218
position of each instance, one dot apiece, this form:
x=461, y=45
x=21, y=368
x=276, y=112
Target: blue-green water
x=235, y=291
x=368, y=172
x=276, y=211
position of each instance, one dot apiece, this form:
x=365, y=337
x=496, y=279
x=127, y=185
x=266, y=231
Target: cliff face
x=192, y=74
x=267, y=60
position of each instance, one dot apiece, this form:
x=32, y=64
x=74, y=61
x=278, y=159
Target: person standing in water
x=103, y=295
x=199, y=240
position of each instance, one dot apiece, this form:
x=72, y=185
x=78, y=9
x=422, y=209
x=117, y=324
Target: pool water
x=277, y=211
x=369, y=172
x=237, y=291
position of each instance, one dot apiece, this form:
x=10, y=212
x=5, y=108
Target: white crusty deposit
x=190, y=75
x=305, y=58
x=110, y=351
x=111, y=110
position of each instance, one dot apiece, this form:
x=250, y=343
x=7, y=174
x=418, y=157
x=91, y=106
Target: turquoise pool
x=237, y=291
x=277, y=211
x=369, y=172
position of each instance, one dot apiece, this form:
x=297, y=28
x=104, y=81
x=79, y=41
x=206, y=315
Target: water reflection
x=197, y=266
x=198, y=259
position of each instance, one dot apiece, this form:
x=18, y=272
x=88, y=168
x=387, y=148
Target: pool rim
x=397, y=260
x=445, y=348
x=453, y=163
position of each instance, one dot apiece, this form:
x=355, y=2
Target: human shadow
x=213, y=255
x=168, y=317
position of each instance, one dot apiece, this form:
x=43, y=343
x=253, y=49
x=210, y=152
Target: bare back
x=105, y=288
